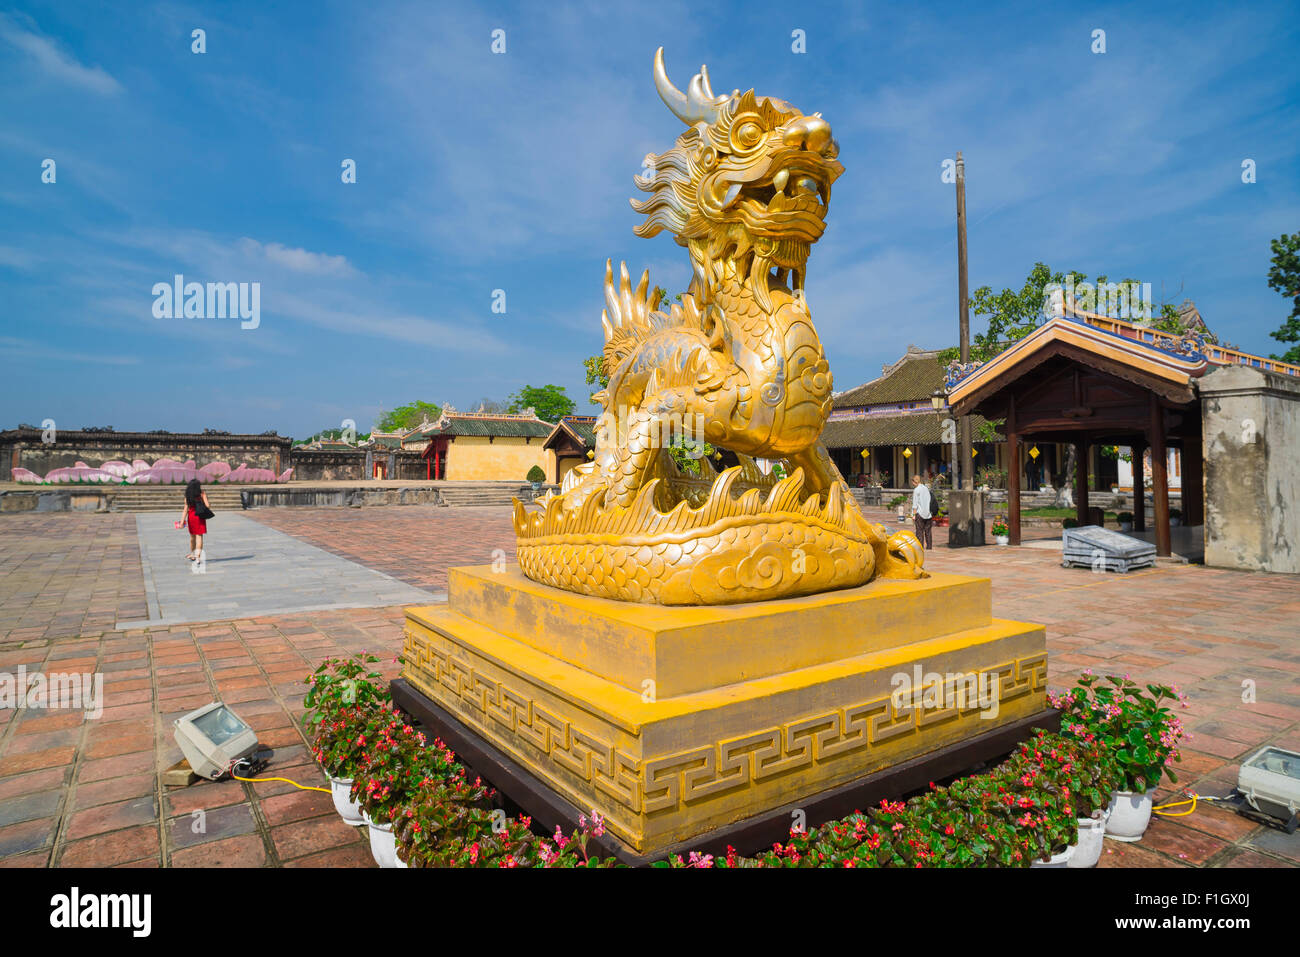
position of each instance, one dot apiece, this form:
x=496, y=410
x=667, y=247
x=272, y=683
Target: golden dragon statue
x=736, y=364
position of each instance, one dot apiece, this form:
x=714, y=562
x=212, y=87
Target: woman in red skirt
x=195, y=498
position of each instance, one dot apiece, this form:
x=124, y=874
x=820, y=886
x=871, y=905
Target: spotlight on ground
x=214, y=739
x=1269, y=783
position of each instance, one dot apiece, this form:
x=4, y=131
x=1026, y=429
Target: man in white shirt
x=922, y=512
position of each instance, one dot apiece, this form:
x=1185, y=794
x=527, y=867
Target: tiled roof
x=584, y=427
x=467, y=423
x=869, y=431
x=913, y=378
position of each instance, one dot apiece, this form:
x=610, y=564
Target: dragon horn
x=696, y=105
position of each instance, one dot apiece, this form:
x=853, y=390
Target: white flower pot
x=1088, y=851
x=383, y=846
x=1057, y=860
x=348, y=809
x=1126, y=526
x=1002, y=539
x=1130, y=814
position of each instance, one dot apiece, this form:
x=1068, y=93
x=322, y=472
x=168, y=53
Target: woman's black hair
x=193, y=492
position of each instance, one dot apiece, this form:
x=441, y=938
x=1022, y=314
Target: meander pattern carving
x=672, y=781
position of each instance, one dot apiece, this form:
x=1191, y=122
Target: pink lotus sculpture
x=81, y=472
x=166, y=474
x=166, y=471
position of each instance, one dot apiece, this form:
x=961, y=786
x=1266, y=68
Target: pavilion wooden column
x=1139, y=488
x=1193, y=456
x=1013, y=474
x=1159, y=476
x=1081, y=480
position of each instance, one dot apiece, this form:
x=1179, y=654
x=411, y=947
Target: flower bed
x=1116, y=736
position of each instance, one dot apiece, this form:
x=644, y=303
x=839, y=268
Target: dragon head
x=746, y=185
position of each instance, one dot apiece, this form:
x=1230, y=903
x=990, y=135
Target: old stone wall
x=1251, y=431
x=24, y=448
x=316, y=465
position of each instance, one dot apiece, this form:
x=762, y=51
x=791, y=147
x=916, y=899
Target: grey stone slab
x=252, y=571
x=1087, y=538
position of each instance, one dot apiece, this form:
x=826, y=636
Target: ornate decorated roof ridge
x=1179, y=364
x=26, y=431
x=1213, y=352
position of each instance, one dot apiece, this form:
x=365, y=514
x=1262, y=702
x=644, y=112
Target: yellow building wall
x=564, y=466
x=473, y=457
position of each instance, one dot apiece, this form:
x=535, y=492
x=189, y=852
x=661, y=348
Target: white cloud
x=55, y=62
x=299, y=260
x=16, y=258
x=23, y=349
x=366, y=322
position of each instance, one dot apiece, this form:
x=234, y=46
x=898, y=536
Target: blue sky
x=478, y=172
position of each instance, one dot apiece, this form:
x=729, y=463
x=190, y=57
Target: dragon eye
x=748, y=135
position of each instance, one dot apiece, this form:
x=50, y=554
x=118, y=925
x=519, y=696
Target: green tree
x=1013, y=314
x=549, y=402
x=596, y=374
x=407, y=416
x=1284, y=277
x=331, y=434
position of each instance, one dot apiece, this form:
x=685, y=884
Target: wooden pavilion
x=1072, y=381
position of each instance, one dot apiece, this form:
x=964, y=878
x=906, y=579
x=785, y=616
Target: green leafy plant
x=341, y=741
x=439, y=819
x=341, y=683
x=1124, y=517
x=536, y=474
x=1284, y=277
x=1070, y=523
x=898, y=500
x=406, y=417
x=1133, y=721
x=1000, y=528
x=550, y=403
x=397, y=765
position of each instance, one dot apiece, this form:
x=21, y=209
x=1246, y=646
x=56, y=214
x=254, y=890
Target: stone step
x=171, y=498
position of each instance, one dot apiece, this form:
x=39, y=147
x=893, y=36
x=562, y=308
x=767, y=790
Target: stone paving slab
x=251, y=570
x=416, y=543
x=67, y=574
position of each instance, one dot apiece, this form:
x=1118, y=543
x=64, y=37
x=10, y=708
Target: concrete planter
x=383, y=845
x=1057, y=860
x=1129, y=815
x=1087, y=852
x=348, y=809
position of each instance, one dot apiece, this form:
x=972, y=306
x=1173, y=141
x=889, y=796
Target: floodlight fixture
x=1269, y=781
x=213, y=738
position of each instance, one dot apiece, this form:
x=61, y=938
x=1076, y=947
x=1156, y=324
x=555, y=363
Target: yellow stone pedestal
x=674, y=721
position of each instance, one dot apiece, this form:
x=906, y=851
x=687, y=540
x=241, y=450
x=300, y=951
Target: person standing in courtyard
x=195, y=517
x=922, y=512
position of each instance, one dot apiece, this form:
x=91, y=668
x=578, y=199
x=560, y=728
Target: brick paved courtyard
x=82, y=792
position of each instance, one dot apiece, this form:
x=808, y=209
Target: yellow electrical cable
x=301, y=787
x=1160, y=809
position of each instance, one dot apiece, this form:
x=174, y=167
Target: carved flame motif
x=737, y=364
